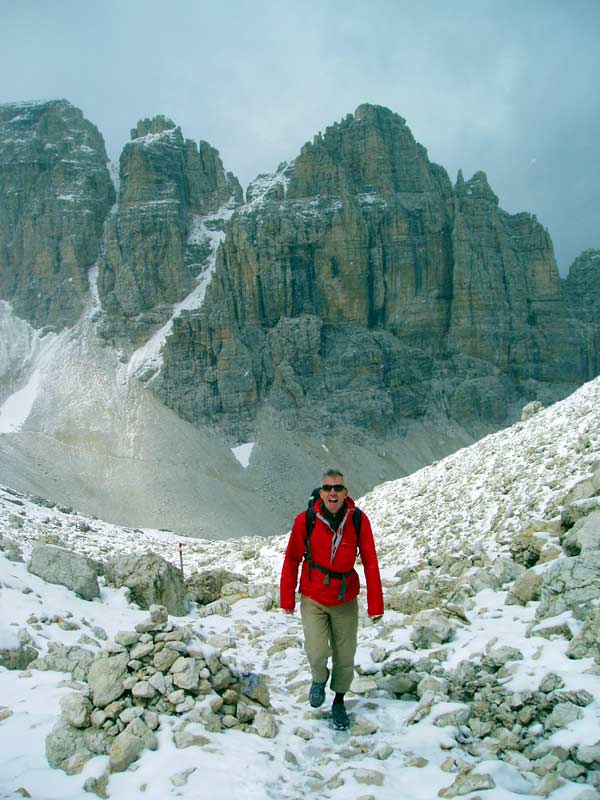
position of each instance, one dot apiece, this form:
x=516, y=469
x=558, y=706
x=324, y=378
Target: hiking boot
x=339, y=717
x=316, y=694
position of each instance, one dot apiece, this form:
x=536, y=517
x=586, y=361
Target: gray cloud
x=508, y=87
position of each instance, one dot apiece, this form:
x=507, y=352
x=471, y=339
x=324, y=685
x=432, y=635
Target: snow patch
x=242, y=452
x=17, y=407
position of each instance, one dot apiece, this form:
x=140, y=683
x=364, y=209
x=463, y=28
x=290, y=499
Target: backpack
x=310, y=524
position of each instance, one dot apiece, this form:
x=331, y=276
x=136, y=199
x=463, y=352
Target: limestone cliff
x=152, y=257
x=358, y=289
x=582, y=293
x=55, y=193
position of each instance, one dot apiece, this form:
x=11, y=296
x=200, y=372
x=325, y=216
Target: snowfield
x=466, y=508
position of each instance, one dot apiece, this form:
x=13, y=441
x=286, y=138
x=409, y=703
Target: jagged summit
x=158, y=124
x=372, y=151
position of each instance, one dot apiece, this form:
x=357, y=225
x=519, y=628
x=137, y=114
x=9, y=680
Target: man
x=329, y=586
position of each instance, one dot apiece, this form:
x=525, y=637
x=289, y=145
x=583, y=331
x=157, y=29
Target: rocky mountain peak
x=158, y=124
x=153, y=258
x=370, y=152
x=477, y=188
x=55, y=192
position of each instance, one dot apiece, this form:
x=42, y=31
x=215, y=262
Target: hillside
x=482, y=679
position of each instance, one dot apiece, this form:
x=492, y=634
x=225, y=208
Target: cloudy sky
x=506, y=86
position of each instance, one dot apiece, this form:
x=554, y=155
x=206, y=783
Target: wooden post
x=180, y=548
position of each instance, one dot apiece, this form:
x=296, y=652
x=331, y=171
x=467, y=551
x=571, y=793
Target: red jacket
x=312, y=582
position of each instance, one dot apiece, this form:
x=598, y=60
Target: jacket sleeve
x=368, y=556
x=293, y=556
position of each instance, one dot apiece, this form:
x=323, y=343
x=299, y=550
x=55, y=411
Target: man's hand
x=287, y=611
x=377, y=618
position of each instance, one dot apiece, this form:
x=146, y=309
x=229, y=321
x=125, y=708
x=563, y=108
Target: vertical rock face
x=358, y=288
x=151, y=262
x=582, y=294
x=55, y=192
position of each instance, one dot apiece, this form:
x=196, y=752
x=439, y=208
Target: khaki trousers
x=330, y=630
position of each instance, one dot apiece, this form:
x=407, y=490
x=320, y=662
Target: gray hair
x=332, y=473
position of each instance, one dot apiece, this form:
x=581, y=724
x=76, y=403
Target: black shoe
x=339, y=717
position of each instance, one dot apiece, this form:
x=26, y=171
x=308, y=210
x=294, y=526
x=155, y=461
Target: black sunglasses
x=336, y=487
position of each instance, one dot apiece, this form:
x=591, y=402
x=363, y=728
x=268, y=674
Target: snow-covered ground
x=475, y=499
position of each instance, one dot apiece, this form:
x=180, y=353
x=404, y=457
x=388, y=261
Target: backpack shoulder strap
x=357, y=519
x=310, y=524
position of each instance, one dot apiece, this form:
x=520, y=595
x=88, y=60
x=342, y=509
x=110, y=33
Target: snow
x=148, y=358
x=16, y=409
x=475, y=497
x=150, y=138
x=243, y=452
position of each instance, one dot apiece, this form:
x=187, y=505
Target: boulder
x=584, y=536
x=410, y=601
x=15, y=652
x=57, y=565
x=68, y=748
x=205, y=587
x=150, y=580
x=432, y=631
x=570, y=584
x=587, y=643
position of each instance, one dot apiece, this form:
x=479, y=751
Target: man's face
x=333, y=498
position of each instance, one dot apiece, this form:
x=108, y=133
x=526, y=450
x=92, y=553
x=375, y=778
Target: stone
x=589, y=755
x=457, y=717
x=181, y=778
x=76, y=710
x=255, y=686
x=190, y=736
x=437, y=630
x=185, y=672
x=144, y=690
x=128, y=745
x=151, y=581
x=219, y=607
x=141, y=650
x=587, y=642
x=466, y=782
x=57, y=565
x=164, y=659
x=265, y=724
x=105, y=678
x=369, y=777
x=527, y=587
x=410, y=601
x=562, y=714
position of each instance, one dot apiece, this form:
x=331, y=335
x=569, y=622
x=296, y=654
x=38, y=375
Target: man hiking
x=328, y=536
